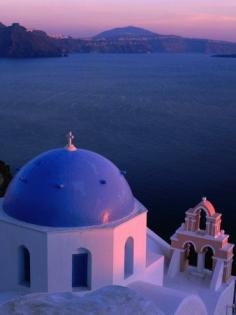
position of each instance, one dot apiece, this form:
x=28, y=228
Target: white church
x=69, y=222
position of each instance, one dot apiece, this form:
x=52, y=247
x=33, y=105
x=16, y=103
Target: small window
x=24, y=266
x=129, y=258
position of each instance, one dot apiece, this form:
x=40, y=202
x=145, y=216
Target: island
x=18, y=42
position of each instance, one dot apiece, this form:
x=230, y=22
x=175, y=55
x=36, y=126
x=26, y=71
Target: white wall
x=225, y=300
x=107, y=248
x=51, y=253
x=62, y=245
x=170, y=301
x=135, y=228
x=11, y=238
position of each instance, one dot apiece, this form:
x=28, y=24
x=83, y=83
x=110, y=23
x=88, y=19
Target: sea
x=168, y=120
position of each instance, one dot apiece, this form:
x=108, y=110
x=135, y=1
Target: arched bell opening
x=190, y=254
x=202, y=219
x=208, y=255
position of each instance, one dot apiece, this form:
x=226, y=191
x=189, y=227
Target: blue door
x=80, y=270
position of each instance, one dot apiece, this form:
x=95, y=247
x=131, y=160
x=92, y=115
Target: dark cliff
x=17, y=42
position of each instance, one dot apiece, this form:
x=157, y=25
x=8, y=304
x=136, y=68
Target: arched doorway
x=81, y=269
x=190, y=254
x=129, y=258
x=208, y=253
x=24, y=266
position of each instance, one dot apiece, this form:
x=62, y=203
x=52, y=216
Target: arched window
x=24, y=266
x=129, y=258
x=190, y=254
x=82, y=269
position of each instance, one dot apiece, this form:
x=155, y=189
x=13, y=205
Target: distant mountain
x=17, y=42
x=129, y=32
x=138, y=40
x=133, y=39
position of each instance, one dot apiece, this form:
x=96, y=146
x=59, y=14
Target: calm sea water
x=168, y=120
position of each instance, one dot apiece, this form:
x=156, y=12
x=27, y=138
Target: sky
x=215, y=19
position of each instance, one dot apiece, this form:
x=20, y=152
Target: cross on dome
x=70, y=138
x=70, y=146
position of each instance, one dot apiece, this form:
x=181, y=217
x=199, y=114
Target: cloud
x=210, y=18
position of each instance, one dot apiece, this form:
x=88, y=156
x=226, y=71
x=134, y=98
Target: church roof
x=69, y=187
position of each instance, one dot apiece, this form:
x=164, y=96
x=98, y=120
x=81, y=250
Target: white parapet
x=217, y=276
x=174, y=267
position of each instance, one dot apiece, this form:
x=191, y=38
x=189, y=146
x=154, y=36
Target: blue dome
x=63, y=188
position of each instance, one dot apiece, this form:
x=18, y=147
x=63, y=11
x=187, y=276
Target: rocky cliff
x=17, y=42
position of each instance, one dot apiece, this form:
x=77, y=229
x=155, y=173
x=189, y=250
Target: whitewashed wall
x=11, y=238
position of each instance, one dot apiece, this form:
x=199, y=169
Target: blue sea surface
x=169, y=120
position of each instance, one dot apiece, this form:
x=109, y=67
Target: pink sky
x=214, y=19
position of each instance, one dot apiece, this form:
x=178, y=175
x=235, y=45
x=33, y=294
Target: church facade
x=69, y=222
